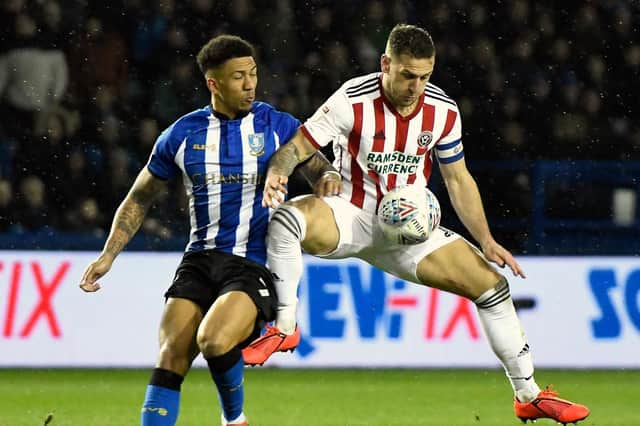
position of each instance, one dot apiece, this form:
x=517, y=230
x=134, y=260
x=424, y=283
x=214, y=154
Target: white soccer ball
x=409, y=214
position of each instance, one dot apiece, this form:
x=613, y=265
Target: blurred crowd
x=86, y=86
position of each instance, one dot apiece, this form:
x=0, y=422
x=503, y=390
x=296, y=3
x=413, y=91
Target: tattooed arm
x=317, y=170
x=288, y=156
x=320, y=175
x=126, y=223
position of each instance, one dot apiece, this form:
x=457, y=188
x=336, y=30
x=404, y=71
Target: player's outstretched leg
x=502, y=327
x=287, y=230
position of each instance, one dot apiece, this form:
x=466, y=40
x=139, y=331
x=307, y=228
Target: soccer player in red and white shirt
x=387, y=130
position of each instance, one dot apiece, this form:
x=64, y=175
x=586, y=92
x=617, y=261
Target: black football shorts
x=205, y=275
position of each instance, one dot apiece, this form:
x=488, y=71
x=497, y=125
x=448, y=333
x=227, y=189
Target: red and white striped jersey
x=376, y=149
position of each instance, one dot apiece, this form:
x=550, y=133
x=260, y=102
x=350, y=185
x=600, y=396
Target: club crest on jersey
x=425, y=138
x=256, y=144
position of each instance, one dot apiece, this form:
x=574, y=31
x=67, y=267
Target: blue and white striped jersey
x=224, y=163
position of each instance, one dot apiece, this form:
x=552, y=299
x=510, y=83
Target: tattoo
x=313, y=168
x=130, y=215
x=285, y=160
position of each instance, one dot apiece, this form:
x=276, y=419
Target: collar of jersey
x=221, y=116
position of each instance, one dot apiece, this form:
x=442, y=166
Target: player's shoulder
x=266, y=112
x=434, y=94
x=264, y=109
x=364, y=85
x=192, y=122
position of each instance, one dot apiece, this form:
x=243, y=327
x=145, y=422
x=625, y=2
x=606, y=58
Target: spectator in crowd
x=33, y=78
x=31, y=208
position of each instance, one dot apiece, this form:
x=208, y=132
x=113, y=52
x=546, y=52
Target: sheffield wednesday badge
x=425, y=138
x=256, y=144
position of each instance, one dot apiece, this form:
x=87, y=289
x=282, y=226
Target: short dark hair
x=222, y=48
x=411, y=40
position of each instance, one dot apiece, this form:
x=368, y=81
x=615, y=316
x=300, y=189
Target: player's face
x=234, y=85
x=405, y=78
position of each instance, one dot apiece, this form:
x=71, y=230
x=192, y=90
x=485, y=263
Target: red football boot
x=273, y=340
x=548, y=406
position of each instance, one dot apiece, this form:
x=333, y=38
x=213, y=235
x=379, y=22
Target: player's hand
x=330, y=183
x=96, y=270
x=275, y=188
x=502, y=257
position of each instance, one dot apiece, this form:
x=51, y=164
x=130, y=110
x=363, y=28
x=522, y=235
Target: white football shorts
x=362, y=237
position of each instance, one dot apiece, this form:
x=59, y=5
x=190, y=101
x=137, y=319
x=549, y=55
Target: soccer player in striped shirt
x=222, y=294
x=387, y=128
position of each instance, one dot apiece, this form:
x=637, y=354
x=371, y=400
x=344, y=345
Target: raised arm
x=466, y=200
x=126, y=223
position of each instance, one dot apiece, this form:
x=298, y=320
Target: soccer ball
x=409, y=214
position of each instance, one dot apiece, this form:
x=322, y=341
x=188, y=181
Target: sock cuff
x=166, y=379
x=223, y=363
x=292, y=219
x=494, y=296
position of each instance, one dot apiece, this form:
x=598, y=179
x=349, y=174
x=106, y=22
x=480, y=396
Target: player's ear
x=385, y=63
x=212, y=83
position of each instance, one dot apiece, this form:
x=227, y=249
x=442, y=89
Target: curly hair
x=220, y=49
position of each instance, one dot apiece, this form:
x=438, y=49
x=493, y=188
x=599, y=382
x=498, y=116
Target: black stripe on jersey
x=364, y=92
x=436, y=93
x=359, y=86
x=440, y=98
x=435, y=89
x=367, y=88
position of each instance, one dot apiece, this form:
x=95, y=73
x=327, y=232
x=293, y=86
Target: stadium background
x=548, y=95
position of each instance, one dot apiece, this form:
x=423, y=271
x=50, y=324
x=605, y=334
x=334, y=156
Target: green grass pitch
x=312, y=397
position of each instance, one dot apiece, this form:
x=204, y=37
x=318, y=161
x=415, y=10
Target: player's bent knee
x=215, y=344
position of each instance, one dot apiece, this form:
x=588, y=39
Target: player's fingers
x=338, y=188
x=516, y=269
x=278, y=183
x=494, y=257
x=86, y=276
x=90, y=287
x=513, y=264
x=322, y=189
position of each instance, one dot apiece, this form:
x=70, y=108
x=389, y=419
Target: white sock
x=507, y=339
x=241, y=418
x=287, y=229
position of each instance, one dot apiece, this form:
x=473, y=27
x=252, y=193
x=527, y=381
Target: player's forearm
x=466, y=201
x=127, y=221
x=287, y=158
x=316, y=166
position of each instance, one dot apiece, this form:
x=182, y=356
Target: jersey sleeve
x=284, y=124
x=162, y=160
x=332, y=119
x=449, y=148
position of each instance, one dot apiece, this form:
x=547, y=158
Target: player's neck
x=404, y=111
x=221, y=111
